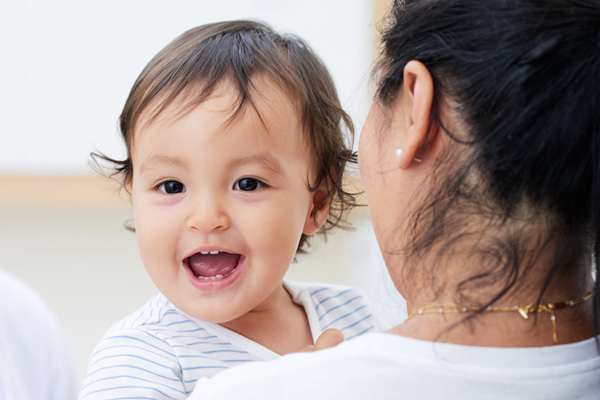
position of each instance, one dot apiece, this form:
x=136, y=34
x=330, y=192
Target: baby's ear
x=319, y=211
x=128, y=187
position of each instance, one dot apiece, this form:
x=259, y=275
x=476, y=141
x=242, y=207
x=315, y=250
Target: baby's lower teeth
x=212, y=278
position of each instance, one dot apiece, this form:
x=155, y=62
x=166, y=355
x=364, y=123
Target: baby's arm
x=133, y=363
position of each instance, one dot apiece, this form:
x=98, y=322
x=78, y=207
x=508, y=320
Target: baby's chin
x=221, y=317
x=213, y=307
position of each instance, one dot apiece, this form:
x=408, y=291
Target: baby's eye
x=171, y=187
x=248, y=184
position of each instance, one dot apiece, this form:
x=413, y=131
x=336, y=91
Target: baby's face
x=220, y=209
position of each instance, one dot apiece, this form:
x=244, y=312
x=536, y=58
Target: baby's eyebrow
x=153, y=161
x=265, y=159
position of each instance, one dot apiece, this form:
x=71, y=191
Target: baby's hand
x=329, y=338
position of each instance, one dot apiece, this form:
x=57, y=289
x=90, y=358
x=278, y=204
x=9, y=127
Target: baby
x=236, y=155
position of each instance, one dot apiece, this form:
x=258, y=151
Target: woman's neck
x=501, y=329
x=504, y=325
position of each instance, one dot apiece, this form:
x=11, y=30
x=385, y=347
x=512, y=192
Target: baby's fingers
x=329, y=338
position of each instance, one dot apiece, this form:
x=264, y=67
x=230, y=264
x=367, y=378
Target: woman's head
x=189, y=70
x=521, y=80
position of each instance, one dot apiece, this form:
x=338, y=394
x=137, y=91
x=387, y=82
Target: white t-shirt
x=34, y=361
x=160, y=352
x=384, y=366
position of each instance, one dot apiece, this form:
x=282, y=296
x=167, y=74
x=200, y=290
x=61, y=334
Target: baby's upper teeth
x=204, y=252
x=214, y=252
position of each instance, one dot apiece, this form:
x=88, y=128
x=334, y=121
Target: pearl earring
x=399, y=153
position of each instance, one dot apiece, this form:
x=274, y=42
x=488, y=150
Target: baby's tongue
x=213, y=264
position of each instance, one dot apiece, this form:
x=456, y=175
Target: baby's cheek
x=279, y=231
x=154, y=245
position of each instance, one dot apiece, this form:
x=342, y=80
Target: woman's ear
x=320, y=203
x=416, y=100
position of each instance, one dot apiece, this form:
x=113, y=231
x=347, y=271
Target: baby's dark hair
x=190, y=68
x=524, y=78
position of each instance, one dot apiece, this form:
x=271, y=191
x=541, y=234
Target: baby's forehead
x=266, y=103
x=266, y=124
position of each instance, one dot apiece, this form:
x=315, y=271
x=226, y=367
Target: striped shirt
x=159, y=352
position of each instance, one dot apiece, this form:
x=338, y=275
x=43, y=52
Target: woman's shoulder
x=387, y=366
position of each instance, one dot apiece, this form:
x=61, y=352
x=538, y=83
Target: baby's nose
x=208, y=215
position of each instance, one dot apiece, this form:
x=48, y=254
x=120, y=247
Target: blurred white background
x=67, y=65
x=66, y=69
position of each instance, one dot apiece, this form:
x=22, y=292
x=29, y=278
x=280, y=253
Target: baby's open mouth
x=212, y=265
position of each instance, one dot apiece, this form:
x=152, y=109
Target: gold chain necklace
x=524, y=311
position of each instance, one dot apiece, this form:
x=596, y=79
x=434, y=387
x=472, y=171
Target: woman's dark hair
x=190, y=68
x=524, y=78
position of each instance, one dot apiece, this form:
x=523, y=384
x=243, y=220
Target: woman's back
x=385, y=366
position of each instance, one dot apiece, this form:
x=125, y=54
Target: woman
x=481, y=162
